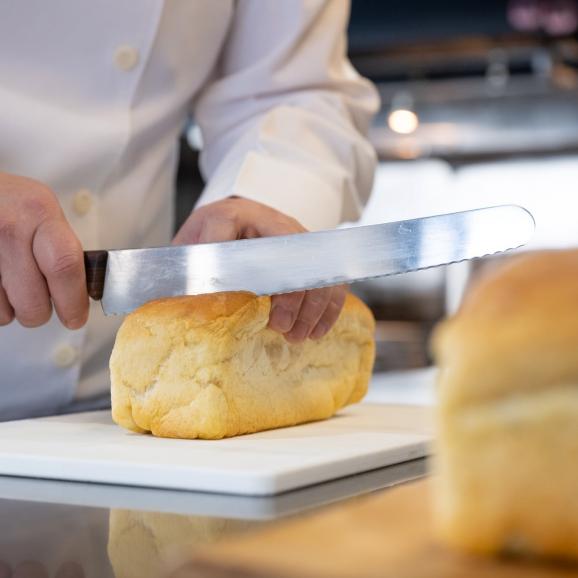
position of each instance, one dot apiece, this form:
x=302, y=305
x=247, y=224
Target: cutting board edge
x=255, y=486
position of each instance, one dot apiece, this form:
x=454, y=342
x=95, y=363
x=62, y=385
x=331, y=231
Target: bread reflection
x=152, y=545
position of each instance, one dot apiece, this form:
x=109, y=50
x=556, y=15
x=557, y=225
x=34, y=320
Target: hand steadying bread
x=507, y=455
x=209, y=367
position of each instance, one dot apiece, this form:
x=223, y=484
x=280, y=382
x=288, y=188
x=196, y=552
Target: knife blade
x=126, y=279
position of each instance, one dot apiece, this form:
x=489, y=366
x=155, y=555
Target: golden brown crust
x=508, y=413
x=516, y=330
x=209, y=367
x=506, y=480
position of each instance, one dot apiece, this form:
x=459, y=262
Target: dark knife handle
x=95, y=266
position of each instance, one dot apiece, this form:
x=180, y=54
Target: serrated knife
x=125, y=279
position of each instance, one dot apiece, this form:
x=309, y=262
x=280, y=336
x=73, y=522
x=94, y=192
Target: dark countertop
x=77, y=530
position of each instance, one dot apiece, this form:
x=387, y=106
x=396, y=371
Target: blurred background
x=479, y=108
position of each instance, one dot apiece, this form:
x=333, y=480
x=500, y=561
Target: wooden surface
x=385, y=535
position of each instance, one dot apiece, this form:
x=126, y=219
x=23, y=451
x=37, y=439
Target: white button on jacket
x=65, y=355
x=126, y=57
x=82, y=202
x=94, y=96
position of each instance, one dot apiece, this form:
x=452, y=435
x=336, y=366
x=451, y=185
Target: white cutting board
x=90, y=447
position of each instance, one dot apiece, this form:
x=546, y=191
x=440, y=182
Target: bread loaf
x=208, y=367
x=507, y=455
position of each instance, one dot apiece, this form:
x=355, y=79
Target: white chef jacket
x=93, y=98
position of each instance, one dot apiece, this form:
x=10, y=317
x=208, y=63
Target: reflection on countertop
x=82, y=530
x=150, y=544
x=41, y=540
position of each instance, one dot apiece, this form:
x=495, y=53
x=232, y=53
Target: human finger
x=258, y=220
x=188, y=233
x=218, y=229
x=23, y=285
x=331, y=313
x=6, y=314
x=284, y=311
x=213, y=223
x=61, y=260
x=314, y=304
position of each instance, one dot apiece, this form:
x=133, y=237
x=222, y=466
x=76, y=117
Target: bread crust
x=208, y=367
x=516, y=331
x=507, y=449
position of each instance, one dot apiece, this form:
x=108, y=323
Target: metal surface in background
x=462, y=120
x=473, y=95
x=295, y=262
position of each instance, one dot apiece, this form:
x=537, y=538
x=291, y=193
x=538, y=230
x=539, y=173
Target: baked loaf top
x=516, y=331
x=207, y=366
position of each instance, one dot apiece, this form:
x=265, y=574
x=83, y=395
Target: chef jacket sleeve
x=284, y=117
